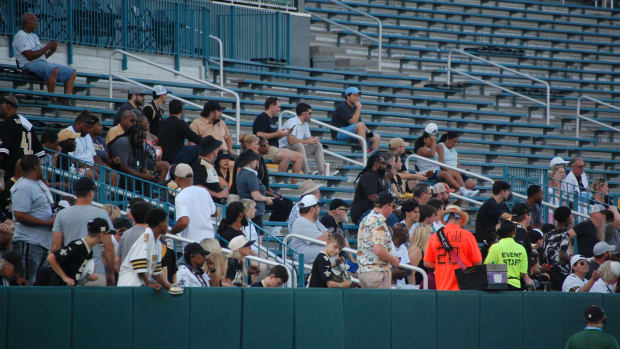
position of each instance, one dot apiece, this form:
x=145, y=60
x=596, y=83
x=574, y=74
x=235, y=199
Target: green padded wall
x=457, y=319
x=39, y=317
x=367, y=318
x=611, y=304
x=414, y=315
x=496, y=309
x=574, y=306
x=4, y=318
x=543, y=320
x=101, y=317
x=156, y=316
x=215, y=318
x=268, y=316
x=320, y=308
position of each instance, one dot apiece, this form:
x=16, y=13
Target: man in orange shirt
x=464, y=246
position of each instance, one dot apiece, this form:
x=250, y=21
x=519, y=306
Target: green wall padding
x=498, y=308
x=574, y=306
x=215, y=318
x=102, y=317
x=160, y=320
x=367, y=316
x=611, y=304
x=414, y=319
x=4, y=318
x=543, y=320
x=319, y=311
x=39, y=317
x=267, y=318
x=457, y=319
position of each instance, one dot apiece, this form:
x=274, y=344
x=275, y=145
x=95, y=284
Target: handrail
x=527, y=76
x=353, y=31
x=579, y=116
x=484, y=178
x=176, y=72
x=221, y=46
x=327, y=151
x=346, y=249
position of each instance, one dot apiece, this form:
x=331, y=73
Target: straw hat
x=454, y=209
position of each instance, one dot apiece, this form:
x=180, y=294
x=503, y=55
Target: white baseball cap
x=576, y=258
x=160, y=90
x=308, y=201
x=431, y=128
x=239, y=241
x=183, y=171
x=557, y=161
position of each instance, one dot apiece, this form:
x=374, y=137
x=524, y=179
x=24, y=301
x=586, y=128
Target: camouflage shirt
x=373, y=230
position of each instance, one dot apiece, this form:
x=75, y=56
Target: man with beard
x=135, y=100
x=367, y=185
x=489, y=214
x=595, y=229
x=441, y=192
x=534, y=199
x=209, y=123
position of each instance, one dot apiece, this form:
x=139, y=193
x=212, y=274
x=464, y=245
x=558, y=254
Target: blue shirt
x=29, y=197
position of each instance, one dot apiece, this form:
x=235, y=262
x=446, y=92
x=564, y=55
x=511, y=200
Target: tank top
x=450, y=156
x=425, y=166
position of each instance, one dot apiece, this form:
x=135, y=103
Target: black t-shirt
x=342, y=115
x=172, y=135
x=587, y=237
x=258, y=284
x=154, y=115
x=487, y=218
x=369, y=183
x=523, y=238
x=321, y=271
x=15, y=142
x=72, y=260
x=201, y=170
x=266, y=124
x=168, y=260
x=230, y=233
x=330, y=223
x=235, y=271
x=535, y=214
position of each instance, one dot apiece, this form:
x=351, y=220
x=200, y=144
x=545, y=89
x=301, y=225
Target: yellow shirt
x=508, y=251
x=204, y=128
x=113, y=133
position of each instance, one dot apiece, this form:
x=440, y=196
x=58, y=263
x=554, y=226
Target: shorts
x=434, y=176
x=345, y=137
x=376, y=279
x=272, y=155
x=43, y=69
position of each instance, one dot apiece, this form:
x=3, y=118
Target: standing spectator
x=576, y=281
x=322, y=274
x=236, y=272
x=592, y=336
x=576, y=180
x=277, y=277
x=307, y=187
x=10, y=267
x=121, y=225
x=135, y=99
x=142, y=267
x=422, y=192
x=347, y=117
x=448, y=154
x=522, y=217
x=602, y=252
x=204, y=172
x=508, y=251
x=32, y=209
x=463, y=245
x=69, y=226
x=595, y=229
x=154, y=111
x=489, y=214
x=534, y=199
x=172, y=134
x=129, y=155
x=609, y=273
x=335, y=216
x=210, y=124
x=398, y=146
x=224, y=165
x=138, y=212
x=300, y=140
x=418, y=241
x=306, y=225
x=249, y=186
x=374, y=254
x=556, y=247
x=17, y=138
x=441, y=192
x=400, y=237
x=411, y=211
x=367, y=185
x=193, y=207
x=191, y=273
x=128, y=118
x=32, y=57
x=265, y=126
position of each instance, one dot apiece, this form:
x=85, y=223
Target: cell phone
x=291, y=129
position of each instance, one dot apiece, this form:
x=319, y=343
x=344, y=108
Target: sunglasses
x=582, y=263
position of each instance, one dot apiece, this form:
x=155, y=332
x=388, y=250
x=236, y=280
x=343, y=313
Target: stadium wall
x=222, y=318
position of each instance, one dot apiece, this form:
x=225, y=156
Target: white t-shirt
x=187, y=278
x=573, y=283
x=571, y=182
x=300, y=130
x=196, y=203
x=144, y=257
x=600, y=286
x=84, y=148
x=26, y=42
x=403, y=254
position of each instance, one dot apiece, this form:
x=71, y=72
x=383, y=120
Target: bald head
x=128, y=119
x=29, y=22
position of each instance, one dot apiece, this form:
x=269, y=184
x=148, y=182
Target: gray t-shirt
x=304, y=226
x=128, y=239
x=121, y=148
x=248, y=182
x=29, y=197
x=72, y=221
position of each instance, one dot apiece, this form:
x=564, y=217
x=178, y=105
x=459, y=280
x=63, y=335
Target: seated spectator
x=600, y=188
x=463, y=243
x=265, y=125
x=154, y=111
x=249, y=186
x=367, y=185
x=153, y=153
x=49, y=140
x=205, y=174
x=230, y=226
x=278, y=276
x=307, y=187
x=129, y=155
x=249, y=230
x=337, y=214
x=490, y=213
x=427, y=216
x=69, y=263
x=411, y=212
x=576, y=180
x=398, y=184
x=441, y=192
x=299, y=139
x=422, y=192
x=66, y=141
x=534, y=200
x=400, y=236
x=169, y=266
x=85, y=148
x=448, y=155
x=32, y=208
x=322, y=274
x=216, y=268
x=609, y=273
x=224, y=164
x=556, y=247
x=127, y=120
x=426, y=146
x=438, y=206
x=306, y=225
x=576, y=281
x=138, y=212
x=398, y=147
x=595, y=229
x=388, y=181
x=32, y=57
x=135, y=100
x=193, y=207
x=99, y=144
x=210, y=123
x=236, y=272
x=508, y=251
x=211, y=245
x=417, y=249
x=191, y=273
x=602, y=252
x=10, y=267
x=558, y=193
x=173, y=132
x=347, y=117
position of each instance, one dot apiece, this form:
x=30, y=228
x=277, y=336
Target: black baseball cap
x=194, y=248
x=384, y=198
x=337, y=203
x=98, y=225
x=122, y=223
x=520, y=209
x=211, y=106
x=15, y=259
x=84, y=184
x=594, y=314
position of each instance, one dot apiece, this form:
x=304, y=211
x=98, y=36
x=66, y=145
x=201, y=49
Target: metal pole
x=221, y=48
